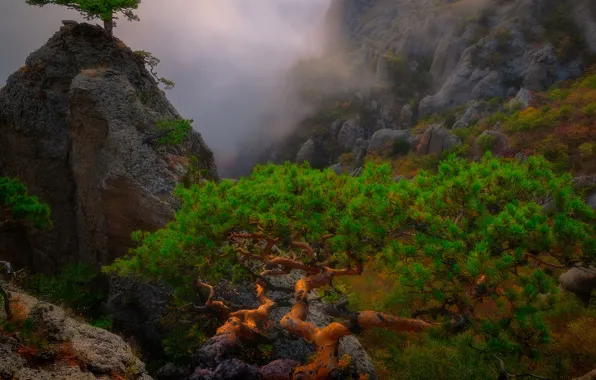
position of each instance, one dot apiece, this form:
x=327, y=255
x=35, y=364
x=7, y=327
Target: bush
x=75, y=286
x=400, y=147
x=486, y=142
x=173, y=132
x=21, y=206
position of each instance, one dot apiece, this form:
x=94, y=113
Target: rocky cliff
x=457, y=59
x=75, y=126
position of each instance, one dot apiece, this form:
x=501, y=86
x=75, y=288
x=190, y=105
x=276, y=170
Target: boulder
x=437, y=139
x=579, y=280
x=523, y=99
x=474, y=111
x=359, y=152
x=591, y=200
x=337, y=168
x=74, y=122
x=406, y=116
x=383, y=139
x=306, y=152
x=96, y=352
x=348, y=135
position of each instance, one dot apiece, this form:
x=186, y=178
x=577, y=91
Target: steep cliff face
x=73, y=122
x=472, y=49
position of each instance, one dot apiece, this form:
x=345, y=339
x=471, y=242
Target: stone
x=437, y=139
x=474, y=111
x=383, y=139
x=523, y=99
x=591, y=200
x=579, y=280
x=407, y=116
x=136, y=307
x=337, y=168
x=72, y=125
x=306, y=152
x=359, y=152
x=98, y=352
x=348, y=135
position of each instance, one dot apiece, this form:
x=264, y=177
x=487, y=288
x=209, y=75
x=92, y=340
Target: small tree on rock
x=105, y=10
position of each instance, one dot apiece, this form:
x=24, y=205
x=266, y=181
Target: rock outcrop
x=71, y=349
x=306, y=152
x=437, y=139
x=74, y=122
x=287, y=348
x=384, y=138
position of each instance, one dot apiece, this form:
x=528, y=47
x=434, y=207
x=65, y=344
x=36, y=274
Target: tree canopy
x=480, y=242
x=104, y=10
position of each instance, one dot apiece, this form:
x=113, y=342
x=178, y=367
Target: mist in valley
x=230, y=59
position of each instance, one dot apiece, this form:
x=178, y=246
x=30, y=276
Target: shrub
x=173, y=132
x=75, y=286
x=22, y=206
x=589, y=110
x=400, y=147
x=486, y=142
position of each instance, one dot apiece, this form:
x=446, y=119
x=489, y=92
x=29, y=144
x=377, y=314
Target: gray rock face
x=384, y=138
x=437, y=139
x=581, y=281
x=137, y=307
x=306, y=152
x=359, y=152
x=337, y=168
x=348, y=135
x=407, y=116
x=98, y=352
x=52, y=126
x=474, y=111
x=591, y=200
x=522, y=99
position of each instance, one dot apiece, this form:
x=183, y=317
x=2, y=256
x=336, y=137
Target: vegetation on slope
x=480, y=242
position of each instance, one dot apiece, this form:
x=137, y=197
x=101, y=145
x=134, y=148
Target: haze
x=229, y=58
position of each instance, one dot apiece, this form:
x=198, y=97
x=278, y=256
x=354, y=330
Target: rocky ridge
x=75, y=126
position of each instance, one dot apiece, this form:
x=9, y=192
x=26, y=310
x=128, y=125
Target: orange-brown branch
x=327, y=339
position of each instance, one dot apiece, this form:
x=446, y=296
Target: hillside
x=433, y=216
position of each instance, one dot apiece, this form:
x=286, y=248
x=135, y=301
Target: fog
x=229, y=58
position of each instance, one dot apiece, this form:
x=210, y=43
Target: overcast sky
x=227, y=57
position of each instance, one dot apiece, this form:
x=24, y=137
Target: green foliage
x=173, y=132
x=18, y=204
x=589, y=110
x=96, y=9
x=75, y=286
x=469, y=221
x=486, y=142
x=432, y=359
x=151, y=61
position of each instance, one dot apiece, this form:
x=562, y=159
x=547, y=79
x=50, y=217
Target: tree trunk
x=108, y=25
